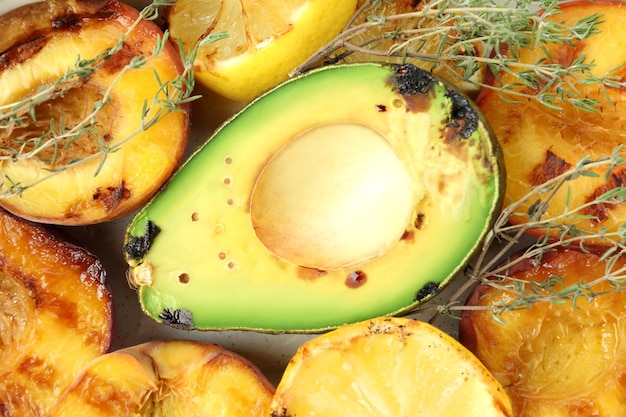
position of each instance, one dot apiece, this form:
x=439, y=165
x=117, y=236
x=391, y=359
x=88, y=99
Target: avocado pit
x=334, y=197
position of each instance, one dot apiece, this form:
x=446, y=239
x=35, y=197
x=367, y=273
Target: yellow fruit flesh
x=387, y=367
x=118, y=385
x=168, y=378
x=266, y=39
x=23, y=17
x=41, y=353
x=555, y=359
x=55, y=316
x=539, y=143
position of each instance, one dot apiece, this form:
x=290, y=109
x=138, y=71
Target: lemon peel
x=265, y=41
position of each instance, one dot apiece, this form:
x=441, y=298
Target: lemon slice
x=265, y=39
x=387, y=367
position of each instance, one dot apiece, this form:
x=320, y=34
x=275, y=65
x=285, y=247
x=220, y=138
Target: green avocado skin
x=192, y=251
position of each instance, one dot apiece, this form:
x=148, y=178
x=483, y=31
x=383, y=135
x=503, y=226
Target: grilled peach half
x=56, y=315
x=540, y=143
x=105, y=160
x=560, y=357
x=175, y=378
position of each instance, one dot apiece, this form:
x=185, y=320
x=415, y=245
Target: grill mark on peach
x=109, y=401
x=566, y=54
x=13, y=397
x=120, y=60
x=51, y=18
x=36, y=369
x=551, y=167
x=21, y=53
x=66, y=312
x=111, y=197
x=600, y=210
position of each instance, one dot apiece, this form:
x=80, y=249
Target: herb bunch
x=462, y=37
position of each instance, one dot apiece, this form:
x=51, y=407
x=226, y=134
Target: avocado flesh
x=204, y=266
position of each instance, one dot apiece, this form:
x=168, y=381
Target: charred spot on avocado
x=338, y=207
x=419, y=220
x=410, y=80
x=465, y=118
x=179, y=319
x=136, y=247
x=431, y=288
x=356, y=279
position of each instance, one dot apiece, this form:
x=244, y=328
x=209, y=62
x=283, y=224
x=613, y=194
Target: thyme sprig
x=170, y=97
x=494, y=260
x=467, y=36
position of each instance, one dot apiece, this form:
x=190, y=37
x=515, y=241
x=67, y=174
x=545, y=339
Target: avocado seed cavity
x=334, y=197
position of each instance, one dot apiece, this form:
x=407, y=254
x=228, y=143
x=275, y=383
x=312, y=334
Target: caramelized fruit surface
x=555, y=358
x=55, y=315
